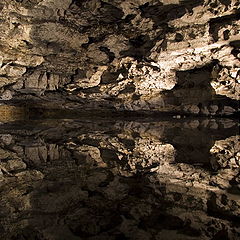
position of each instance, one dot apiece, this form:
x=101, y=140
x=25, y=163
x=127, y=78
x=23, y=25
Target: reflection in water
x=11, y=113
x=72, y=179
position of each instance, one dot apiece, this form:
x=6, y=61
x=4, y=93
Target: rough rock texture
x=140, y=180
x=136, y=55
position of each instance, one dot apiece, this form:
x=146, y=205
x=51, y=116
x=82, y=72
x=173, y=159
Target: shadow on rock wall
x=194, y=93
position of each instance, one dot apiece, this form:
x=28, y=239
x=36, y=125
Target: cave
x=119, y=120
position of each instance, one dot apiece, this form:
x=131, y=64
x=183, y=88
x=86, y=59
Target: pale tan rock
x=12, y=71
x=94, y=80
x=30, y=60
x=32, y=80
x=5, y=81
x=117, y=44
x=6, y=95
x=13, y=165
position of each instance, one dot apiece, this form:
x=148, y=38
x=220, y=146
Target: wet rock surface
x=160, y=56
x=120, y=179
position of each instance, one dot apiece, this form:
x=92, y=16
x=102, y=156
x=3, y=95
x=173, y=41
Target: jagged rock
x=13, y=165
x=12, y=71
x=125, y=54
x=5, y=81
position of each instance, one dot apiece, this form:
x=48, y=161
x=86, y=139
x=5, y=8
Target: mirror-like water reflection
x=119, y=179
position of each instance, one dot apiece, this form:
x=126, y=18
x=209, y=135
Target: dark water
x=142, y=179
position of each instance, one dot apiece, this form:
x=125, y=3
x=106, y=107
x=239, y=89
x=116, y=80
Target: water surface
x=168, y=178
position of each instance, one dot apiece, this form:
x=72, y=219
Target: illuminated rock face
x=171, y=56
x=68, y=179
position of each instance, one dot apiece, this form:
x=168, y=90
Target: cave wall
x=137, y=55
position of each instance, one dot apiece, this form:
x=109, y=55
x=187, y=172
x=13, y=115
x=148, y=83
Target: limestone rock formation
x=135, y=55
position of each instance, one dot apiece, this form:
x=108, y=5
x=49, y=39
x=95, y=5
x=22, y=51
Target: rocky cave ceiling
x=133, y=55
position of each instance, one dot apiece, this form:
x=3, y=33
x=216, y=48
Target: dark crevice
x=160, y=13
x=110, y=54
x=217, y=23
x=139, y=47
